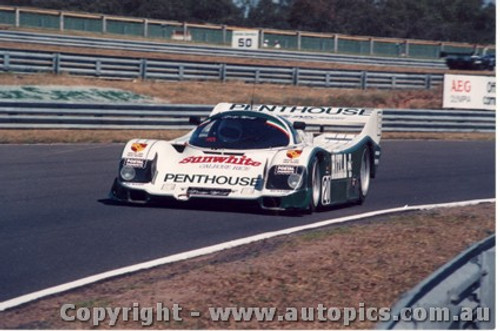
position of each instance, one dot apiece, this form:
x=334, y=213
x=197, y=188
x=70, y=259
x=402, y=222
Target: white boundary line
x=216, y=248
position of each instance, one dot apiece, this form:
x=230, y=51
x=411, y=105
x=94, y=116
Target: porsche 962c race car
x=281, y=157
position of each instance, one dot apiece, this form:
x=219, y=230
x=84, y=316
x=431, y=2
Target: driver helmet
x=230, y=130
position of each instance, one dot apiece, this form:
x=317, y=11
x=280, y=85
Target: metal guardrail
x=467, y=283
x=130, y=68
x=156, y=47
x=428, y=120
x=53, y=115
x=221, y=34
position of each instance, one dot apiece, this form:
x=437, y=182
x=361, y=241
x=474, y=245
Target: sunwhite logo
x=238, y=160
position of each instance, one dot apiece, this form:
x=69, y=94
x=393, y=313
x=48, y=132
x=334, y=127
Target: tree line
x=470, y=21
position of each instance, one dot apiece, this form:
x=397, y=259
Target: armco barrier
x=222, y=34
x=130, y=68
x=204, y=50
x=465, y=284
x=53, y=115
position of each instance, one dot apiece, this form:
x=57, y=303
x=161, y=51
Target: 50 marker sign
x=245, y=39
x=245, y=42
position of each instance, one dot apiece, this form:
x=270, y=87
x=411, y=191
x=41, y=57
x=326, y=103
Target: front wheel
x=364, y=175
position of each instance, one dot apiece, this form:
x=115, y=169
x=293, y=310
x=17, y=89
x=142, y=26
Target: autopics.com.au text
x=147, y=316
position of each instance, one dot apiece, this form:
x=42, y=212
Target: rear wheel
x=364, y=175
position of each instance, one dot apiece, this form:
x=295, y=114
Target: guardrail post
x=257, y=75
x=486, y=298
x=222, y=72
x=61, y=21
x=224, y=34
x=146, y=28
x=143, y=69
x=299, y=40
x=327, y=79
x=407, y=48
x=185, y=30
x=181, y=72
x=104, y=24
x=261, y=38
x=295, y=76
x=371, y=46
x=335, y=43
x=393, y=82
x=364, y=80
x=428, y=81
x=6, y=61
x=17, y=15
x=56, y=63
x=98, y=66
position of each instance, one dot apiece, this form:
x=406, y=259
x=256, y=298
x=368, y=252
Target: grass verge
x=213, y=92
x=371, y=262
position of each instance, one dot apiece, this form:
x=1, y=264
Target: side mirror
x=194, y=120
x=299, y=125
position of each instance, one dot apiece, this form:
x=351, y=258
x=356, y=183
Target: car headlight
x=285, y=177
x=137, y=170
x=127, y=173
x=294, y=181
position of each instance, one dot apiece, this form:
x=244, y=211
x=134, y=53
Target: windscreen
x=240, y=132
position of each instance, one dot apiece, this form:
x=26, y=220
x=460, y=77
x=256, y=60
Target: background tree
x=268, y=13
x=312, y=15
x=447, y=20
x=217, y=11
x=177, y=10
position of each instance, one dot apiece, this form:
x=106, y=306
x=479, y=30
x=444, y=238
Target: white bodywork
x=183, y=171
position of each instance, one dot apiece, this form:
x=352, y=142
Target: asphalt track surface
x=56, y=227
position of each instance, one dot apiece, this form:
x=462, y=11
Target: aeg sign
x=469, y=92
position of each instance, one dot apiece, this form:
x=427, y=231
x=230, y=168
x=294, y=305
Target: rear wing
x=363, y=121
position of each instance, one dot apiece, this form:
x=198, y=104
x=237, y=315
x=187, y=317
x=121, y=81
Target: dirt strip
x=83, y=136
x=122, y=136
x=371, y=262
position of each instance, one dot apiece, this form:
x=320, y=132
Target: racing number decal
x=326, y=191
x=245, y=42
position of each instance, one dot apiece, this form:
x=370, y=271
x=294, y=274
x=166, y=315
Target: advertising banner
x=469, y=92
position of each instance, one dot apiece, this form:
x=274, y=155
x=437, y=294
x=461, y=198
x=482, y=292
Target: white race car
x=281, y=157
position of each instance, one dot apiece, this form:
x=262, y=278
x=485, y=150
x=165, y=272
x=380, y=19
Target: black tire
x=364, y=174
x=315, y=185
